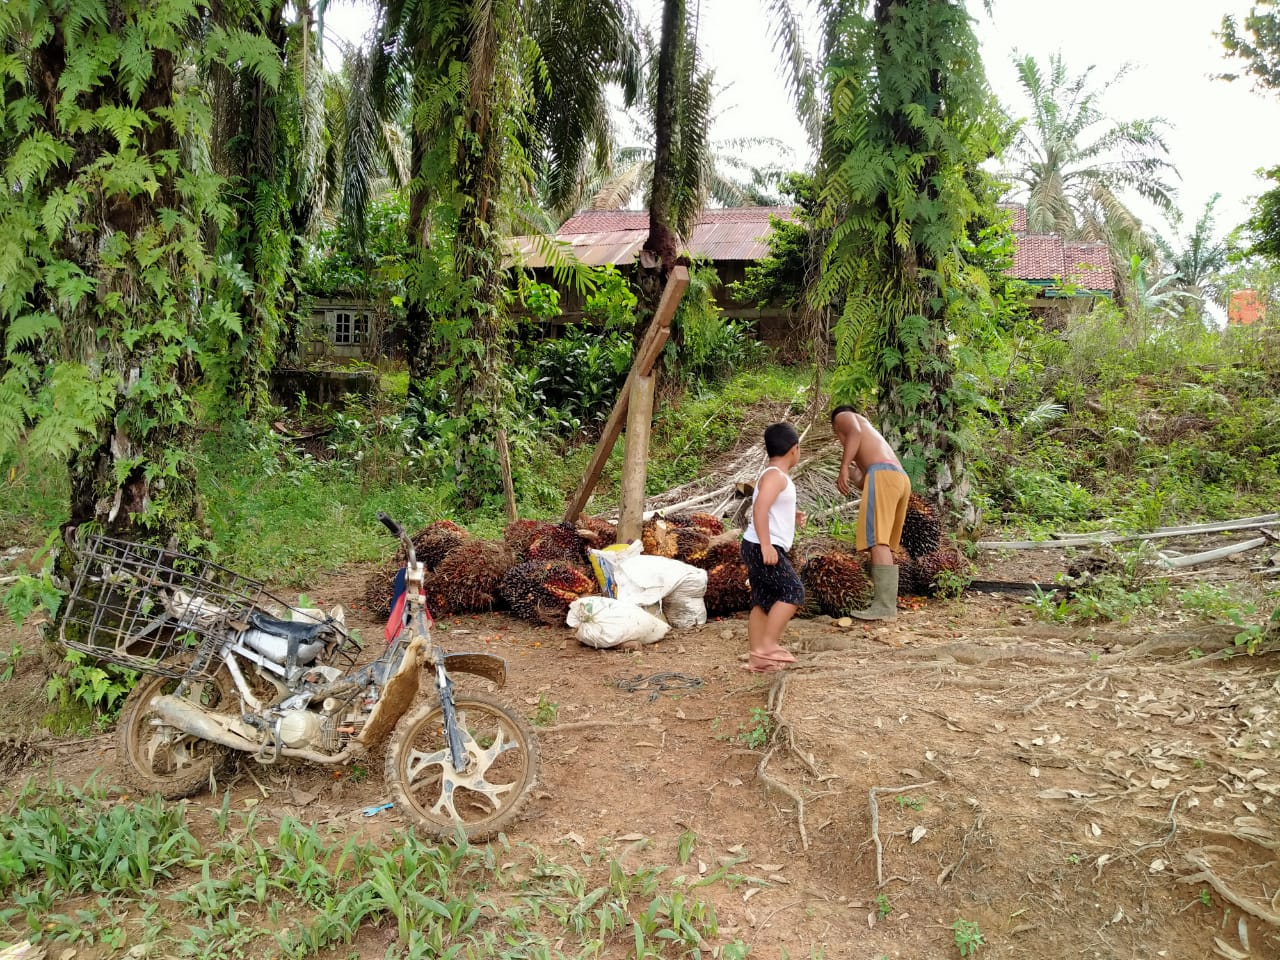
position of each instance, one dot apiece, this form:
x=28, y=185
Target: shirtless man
x=870, y=463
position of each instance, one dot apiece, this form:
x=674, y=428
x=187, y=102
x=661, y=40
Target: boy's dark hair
x=839, y=410
x=779, y=438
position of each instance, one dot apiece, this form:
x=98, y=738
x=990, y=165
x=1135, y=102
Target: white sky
x=1220, y=133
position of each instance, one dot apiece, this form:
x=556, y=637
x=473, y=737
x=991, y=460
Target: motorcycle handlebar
x=391, y=525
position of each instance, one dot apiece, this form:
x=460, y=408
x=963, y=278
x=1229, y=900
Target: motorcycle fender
x=397, y=696
x=484, y=665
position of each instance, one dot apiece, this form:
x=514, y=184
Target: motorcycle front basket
x=146, y=608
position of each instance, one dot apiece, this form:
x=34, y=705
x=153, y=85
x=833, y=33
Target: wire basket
x=155, y=610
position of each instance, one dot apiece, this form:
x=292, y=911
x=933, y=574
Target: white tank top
x=782, y=514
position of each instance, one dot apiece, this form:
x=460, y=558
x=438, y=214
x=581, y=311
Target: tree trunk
x=133, y=474
x=925, y=417
x=661, y=247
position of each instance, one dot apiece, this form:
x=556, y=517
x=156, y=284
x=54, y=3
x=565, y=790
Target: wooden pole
x=655, y=338
x=635, y=458
x=504, y=464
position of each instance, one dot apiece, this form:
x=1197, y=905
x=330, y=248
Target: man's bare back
x=863, y=447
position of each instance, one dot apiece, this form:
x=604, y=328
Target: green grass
x=87, y=868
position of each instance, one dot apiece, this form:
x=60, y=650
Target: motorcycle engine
x=299, y=728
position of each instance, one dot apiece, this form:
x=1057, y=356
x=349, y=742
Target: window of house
x=343, y=329
x=349, y=328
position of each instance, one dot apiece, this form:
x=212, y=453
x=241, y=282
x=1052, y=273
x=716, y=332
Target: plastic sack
x=605, y=562
x=685, y=612
x=604, y=622
x=643, y=579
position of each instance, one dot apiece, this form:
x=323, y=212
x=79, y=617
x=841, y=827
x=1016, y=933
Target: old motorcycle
x=228, y=667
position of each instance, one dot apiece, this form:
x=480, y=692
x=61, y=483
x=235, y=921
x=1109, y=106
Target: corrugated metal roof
x=597, y=237
x=615, y=236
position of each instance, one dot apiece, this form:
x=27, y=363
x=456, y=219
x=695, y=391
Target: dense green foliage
x=106, y=277
x=1132, y=424
x=911, y=118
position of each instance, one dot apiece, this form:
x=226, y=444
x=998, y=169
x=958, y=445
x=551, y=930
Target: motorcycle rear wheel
x=160, y=758
x=484, y=799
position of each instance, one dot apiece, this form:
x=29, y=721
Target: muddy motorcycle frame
x=222, y=673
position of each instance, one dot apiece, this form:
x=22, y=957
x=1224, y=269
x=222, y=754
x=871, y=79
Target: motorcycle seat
x=301, y=630
x=285, y=642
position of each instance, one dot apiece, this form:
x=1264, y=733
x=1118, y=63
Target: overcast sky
x=1220, y=133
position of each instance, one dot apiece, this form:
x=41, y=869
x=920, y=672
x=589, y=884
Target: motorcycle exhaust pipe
x=190, y=719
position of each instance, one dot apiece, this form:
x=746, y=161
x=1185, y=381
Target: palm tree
x=1074, y=162
x=268, y=143
x=1195, y=260
x=717, y=168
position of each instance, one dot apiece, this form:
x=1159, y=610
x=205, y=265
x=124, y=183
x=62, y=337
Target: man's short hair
x=779, y=438
x=839, y=410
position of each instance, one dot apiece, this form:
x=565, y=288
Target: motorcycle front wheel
x=483, y=799
x=160, y=758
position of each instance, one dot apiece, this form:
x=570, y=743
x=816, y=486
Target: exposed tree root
x=588, y=724
x=1206, y=875
x=881, y=879
x=782, y=736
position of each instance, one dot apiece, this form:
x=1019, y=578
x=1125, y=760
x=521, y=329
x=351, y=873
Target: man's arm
x=771, y=485
x=852, y=440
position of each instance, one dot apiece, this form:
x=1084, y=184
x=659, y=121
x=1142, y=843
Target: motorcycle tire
x=159, y=758
x=483, y=800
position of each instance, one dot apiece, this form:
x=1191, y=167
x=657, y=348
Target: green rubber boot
x=884, y=605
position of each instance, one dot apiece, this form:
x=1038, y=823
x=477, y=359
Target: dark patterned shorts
x=771, y=584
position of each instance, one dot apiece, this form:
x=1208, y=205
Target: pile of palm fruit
x=539, y=567
x=837, y=580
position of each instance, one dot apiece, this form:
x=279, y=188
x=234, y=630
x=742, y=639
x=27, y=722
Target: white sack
x=643, y=579
x=605, y=622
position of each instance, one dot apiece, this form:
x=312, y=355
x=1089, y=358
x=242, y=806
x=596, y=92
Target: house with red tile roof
x=1059, y=268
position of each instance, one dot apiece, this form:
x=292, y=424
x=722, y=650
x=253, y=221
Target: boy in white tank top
x=776, y=590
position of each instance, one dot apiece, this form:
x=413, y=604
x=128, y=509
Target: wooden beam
x=655, y=338
x=635, y=458
x=504, y=465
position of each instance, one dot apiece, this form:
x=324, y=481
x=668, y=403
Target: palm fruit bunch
x=558, y=542
x=467, y=579
x=908, y=573
x=659, y=538
x=921, y=529
x=378, y=589
x=838, y=583
x=726, y=548
x=727, y=589
x=597, y=532
x=711, y=526
x=931, y=564
x=433, y=542
x=805, y=550
x=541, y=591
x=520, y=533
x=692, y=544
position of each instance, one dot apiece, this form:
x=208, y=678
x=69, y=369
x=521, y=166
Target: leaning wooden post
x=635, y=457
x=504, y=464
x=655, y=338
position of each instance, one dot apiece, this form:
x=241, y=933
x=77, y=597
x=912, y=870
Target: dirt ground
x=1091, y=792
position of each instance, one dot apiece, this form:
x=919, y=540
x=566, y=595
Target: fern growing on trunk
x=910, y=118
x=104, y=272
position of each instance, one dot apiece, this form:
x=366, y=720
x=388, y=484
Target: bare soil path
x=1091, y=792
